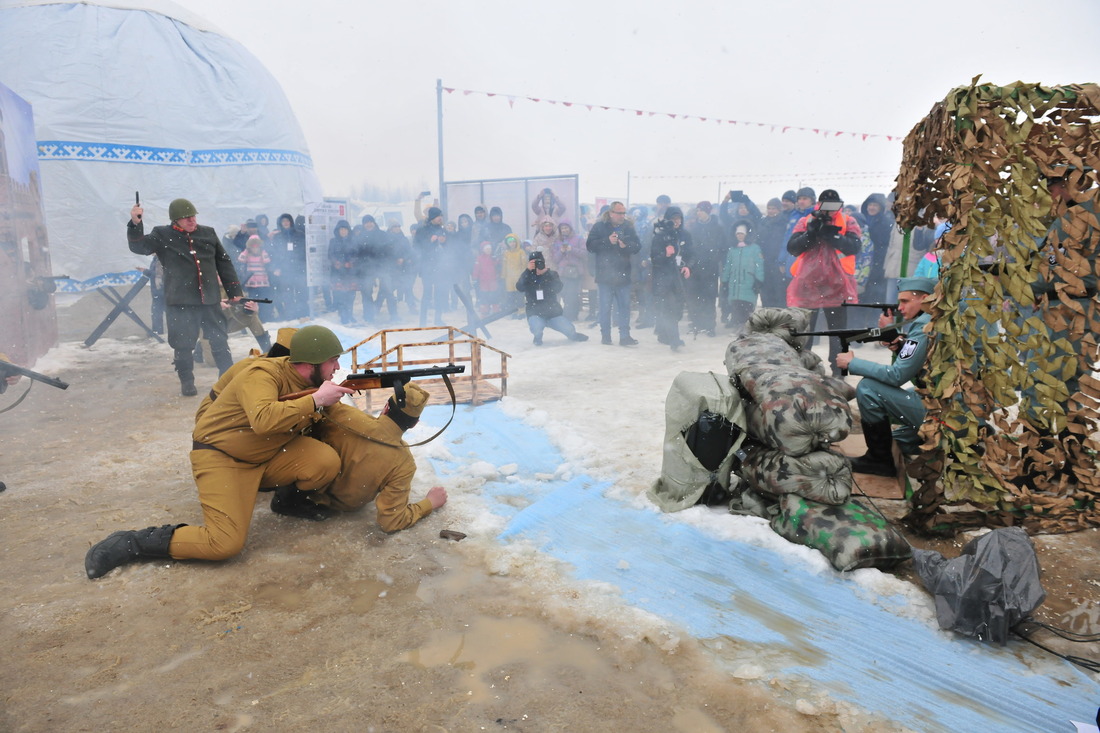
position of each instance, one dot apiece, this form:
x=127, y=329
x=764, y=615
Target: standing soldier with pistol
x=194, y=261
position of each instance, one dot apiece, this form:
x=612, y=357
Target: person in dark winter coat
x=429, y=243
x=879, y=222
x=708, y=256
x=541, y=288
x=612, y=240
x=771, y=236
x=344, y=271
x=288, y=255
x=402, y=266
x=496, y=230
x=374, y=247
x=737, y=207
x=670, y=244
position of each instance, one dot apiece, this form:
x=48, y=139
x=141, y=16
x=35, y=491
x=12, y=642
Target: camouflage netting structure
x=1011, y=432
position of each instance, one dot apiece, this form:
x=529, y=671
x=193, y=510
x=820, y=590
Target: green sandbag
x=850, y=536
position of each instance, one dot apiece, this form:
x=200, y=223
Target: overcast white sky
x=361, y=78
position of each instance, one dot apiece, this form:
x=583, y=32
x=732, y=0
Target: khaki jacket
x=247, y=422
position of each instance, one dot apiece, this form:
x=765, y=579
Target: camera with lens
x=663, y=225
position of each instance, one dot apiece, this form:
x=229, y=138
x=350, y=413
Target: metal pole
x=628, y=188
x=439, y=136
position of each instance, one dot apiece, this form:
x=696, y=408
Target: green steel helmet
x=314, y=345
x=181, y=209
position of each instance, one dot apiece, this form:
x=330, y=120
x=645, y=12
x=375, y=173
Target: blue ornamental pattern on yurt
x=121, y=153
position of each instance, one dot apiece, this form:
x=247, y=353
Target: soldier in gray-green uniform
x=194, y=261
x=881, y=394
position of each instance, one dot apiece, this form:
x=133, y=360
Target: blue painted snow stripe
x=859, y=651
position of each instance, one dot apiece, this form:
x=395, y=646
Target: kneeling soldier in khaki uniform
x=376, y=464
x=245, y=440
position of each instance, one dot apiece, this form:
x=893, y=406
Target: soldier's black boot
x=879, y=459
x=290, y=501
x=186, y=372
x=127, y=546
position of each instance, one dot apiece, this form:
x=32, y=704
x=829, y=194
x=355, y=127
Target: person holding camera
x=541, y=287
x=825, y=243
x=670, y=246
x=613, y=240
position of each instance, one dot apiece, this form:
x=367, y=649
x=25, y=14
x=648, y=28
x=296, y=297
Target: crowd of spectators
x=729, y=259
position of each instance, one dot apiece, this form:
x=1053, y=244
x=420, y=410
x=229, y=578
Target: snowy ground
x=341, y=626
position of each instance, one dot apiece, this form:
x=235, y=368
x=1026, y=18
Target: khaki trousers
x=228, y=488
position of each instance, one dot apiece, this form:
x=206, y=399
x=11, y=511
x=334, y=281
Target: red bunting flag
x=673, y=115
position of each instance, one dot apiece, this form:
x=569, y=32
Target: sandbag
x=989, y=588
x=782, y=322
x=703, y=412
x=811, y=361
x=849, y=535
x=753, y=503
x=822, y=476
x=793, y=410
x=760, y=348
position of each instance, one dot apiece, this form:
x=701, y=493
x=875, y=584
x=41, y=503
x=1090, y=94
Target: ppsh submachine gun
x=396, y=379
x=7, y=369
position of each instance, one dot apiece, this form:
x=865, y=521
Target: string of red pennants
x=513, y=98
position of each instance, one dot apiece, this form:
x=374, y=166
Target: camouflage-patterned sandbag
x=850, y=536
x=811, y=361
x=782, y=322
x=684, y=477
x=822, y=476
x=754, y=504
x=839, y=387
x=794, y=410
x=760, y=348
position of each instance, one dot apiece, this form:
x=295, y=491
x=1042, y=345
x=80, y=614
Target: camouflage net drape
x=1012, y=399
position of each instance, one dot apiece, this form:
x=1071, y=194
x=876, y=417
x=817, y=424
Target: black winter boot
x=127, y=546
x=291, y=501
x=879, y=459
x=186, y=372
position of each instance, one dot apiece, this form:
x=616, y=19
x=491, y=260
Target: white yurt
x=146, y=97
